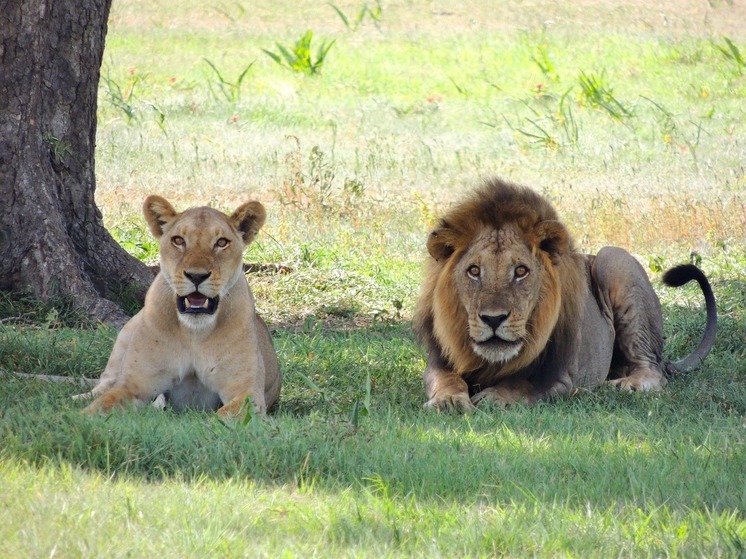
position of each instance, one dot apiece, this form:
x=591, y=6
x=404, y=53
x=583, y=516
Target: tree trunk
x=53, y=242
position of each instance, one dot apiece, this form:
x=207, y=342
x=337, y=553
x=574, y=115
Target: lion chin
x=497, y=350
x=510, y=311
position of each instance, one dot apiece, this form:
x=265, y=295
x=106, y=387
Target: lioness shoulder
x=198, y=339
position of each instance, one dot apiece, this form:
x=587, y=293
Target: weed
x=311, y=186
x=226, y=11
x=538, y=134
x=462, y=90
x=130, y=237
x=230, y=91
x=160, y=117
x=300, y=58
x=25, y=309
x=121, y=99
x=543, y=61
x=730, y=52
x=569, y=124
x=539, y=128
x=373, y=13
x=597, y=94
x=61, y=150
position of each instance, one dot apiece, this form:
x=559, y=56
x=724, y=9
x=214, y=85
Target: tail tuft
x=682, y=274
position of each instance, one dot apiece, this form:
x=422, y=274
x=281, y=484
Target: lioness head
x=495, y=284
x=201, y=253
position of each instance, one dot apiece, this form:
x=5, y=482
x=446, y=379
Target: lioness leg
x=232, y=409
x=117, y=397
x=625, y=290
x=236, y=387
x=135, y=388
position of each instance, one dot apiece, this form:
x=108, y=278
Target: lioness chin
x=511, y=312
x=197, y=340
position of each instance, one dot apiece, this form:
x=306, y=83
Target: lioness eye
x=222, y=242
x=473, y=271
x=177, y=241
x=520, y=271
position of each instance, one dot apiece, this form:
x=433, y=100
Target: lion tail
x=678, y=276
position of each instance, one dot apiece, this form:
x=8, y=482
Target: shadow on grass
x=683, y=447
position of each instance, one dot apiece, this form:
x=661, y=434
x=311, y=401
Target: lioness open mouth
x=196, y=303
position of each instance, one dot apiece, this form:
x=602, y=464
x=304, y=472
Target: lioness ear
x=248, y=219
x=552, y=237
x=158, y=213
x=440, y=243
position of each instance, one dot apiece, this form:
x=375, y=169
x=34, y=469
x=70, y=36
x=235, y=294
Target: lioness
x=511, y=312
x=198, y=339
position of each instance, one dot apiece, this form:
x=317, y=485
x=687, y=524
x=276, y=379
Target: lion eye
x=520, y=271
x=177, y=241
x=222, y=242
x=473, y=271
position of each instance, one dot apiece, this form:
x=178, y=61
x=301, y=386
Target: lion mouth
x=496, y=348
x=196, y=303
x=497, y=341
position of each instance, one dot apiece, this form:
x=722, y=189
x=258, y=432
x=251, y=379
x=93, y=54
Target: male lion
x=198, y=339
x=511, y=312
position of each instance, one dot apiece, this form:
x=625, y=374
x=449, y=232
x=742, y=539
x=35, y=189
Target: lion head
x=503, y=277
x=201, y=253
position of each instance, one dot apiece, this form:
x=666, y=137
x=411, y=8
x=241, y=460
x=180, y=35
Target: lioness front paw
x=450, y=402
x=240, y=407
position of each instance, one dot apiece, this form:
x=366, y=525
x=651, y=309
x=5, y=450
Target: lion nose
x=197, y=277
x=493, y=320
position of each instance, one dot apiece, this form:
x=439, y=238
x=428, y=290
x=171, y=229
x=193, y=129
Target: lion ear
x=158, y=213
x=248, y=219
x=553, y=238
x=441, y=243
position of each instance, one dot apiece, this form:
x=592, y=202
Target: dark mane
x=496, y=203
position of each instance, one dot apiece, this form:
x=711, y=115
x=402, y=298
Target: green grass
x=412, y=108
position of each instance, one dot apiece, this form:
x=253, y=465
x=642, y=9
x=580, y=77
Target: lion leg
x=625, y=290
x=445, y=389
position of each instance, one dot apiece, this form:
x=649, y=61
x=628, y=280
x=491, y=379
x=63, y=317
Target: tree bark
x=52, y=241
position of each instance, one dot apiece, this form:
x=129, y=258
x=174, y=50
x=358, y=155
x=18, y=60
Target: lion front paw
x=504, y=395
x=641, y=380
x=458, y=401
x=490, y=396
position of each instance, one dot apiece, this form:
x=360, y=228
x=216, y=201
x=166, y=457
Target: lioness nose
x=196, y=277
x=493, y=320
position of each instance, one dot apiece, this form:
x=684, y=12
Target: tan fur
x=511, y=312
x=196, y=358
